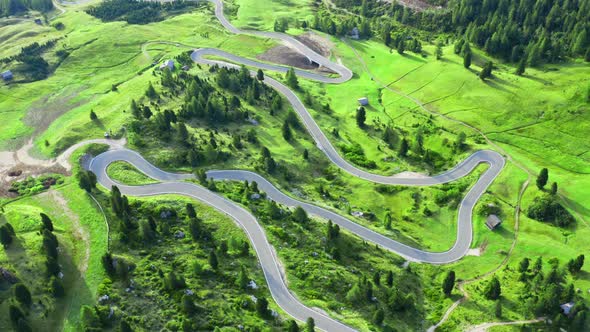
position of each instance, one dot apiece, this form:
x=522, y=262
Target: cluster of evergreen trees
x=11, y=7
x=136, y=12
x=543, y=293
x=33, y=65
x=153, y=225
x=534, y=30
x=216, y=101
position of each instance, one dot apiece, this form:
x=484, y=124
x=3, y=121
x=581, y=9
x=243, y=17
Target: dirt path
x=485, y=326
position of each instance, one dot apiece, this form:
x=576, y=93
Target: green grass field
x=124, y=172
x=540, y=120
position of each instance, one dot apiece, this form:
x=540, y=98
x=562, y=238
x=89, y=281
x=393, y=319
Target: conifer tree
x=542, y=178
x=361, y=117
x=291, y=78
x=448, y=283
x=521, y=67
x=286, y=130
x=467, y=60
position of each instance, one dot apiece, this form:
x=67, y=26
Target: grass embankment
x=125, y=173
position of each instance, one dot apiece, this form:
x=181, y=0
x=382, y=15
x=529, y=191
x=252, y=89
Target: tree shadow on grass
x=493, y=84
x=503, y=232
x=537, y=79
x=579, y=208
x=414, y=57
x=503, y=81
x=99, y=124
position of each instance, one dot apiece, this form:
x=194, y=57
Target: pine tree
x=57, y=287
x=299, y=215
x=93, y=116
x=213, y=262
x=182, y=133
x=493, y=289
x=361, y=117
x=401, y=47
x=554, y=188
x=147, y=112
x=286, y=130
x=439, y=51
x=404, y=147
x=310, y=325
x=459, y=46
x=524, y=265
x=5, y=236
x=23, y=295
x=243, y=279
x=448, y=283
x=486, y=72
x=587, y=56
x=389, y=279
x=291, y=78
x=260, y=75
x=467, y=60
x=190, y=211
x=534, y=56
x=521, y=67
x=581, y=40
x=378, y=317
x=292, y=326
x=542, y=178
x=262, y=307
x=151, y=92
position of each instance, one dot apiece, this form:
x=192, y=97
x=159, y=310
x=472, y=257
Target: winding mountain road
x=172, y=183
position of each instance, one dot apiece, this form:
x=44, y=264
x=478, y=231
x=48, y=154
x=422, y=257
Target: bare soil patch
x=285, y=55
x=317, y=43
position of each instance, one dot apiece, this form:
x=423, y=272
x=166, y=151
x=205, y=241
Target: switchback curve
x=175, y=184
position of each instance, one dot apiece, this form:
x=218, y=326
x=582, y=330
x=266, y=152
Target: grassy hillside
x=84, y=81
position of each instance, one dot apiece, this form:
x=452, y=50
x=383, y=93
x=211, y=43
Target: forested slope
x=11, y=7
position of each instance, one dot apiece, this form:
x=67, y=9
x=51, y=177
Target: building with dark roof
x=493, y=221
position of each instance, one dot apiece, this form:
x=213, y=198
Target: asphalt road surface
x=172, y=183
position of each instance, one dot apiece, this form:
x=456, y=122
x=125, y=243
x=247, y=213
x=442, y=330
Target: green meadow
x=540, y=119
x=261, y=15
